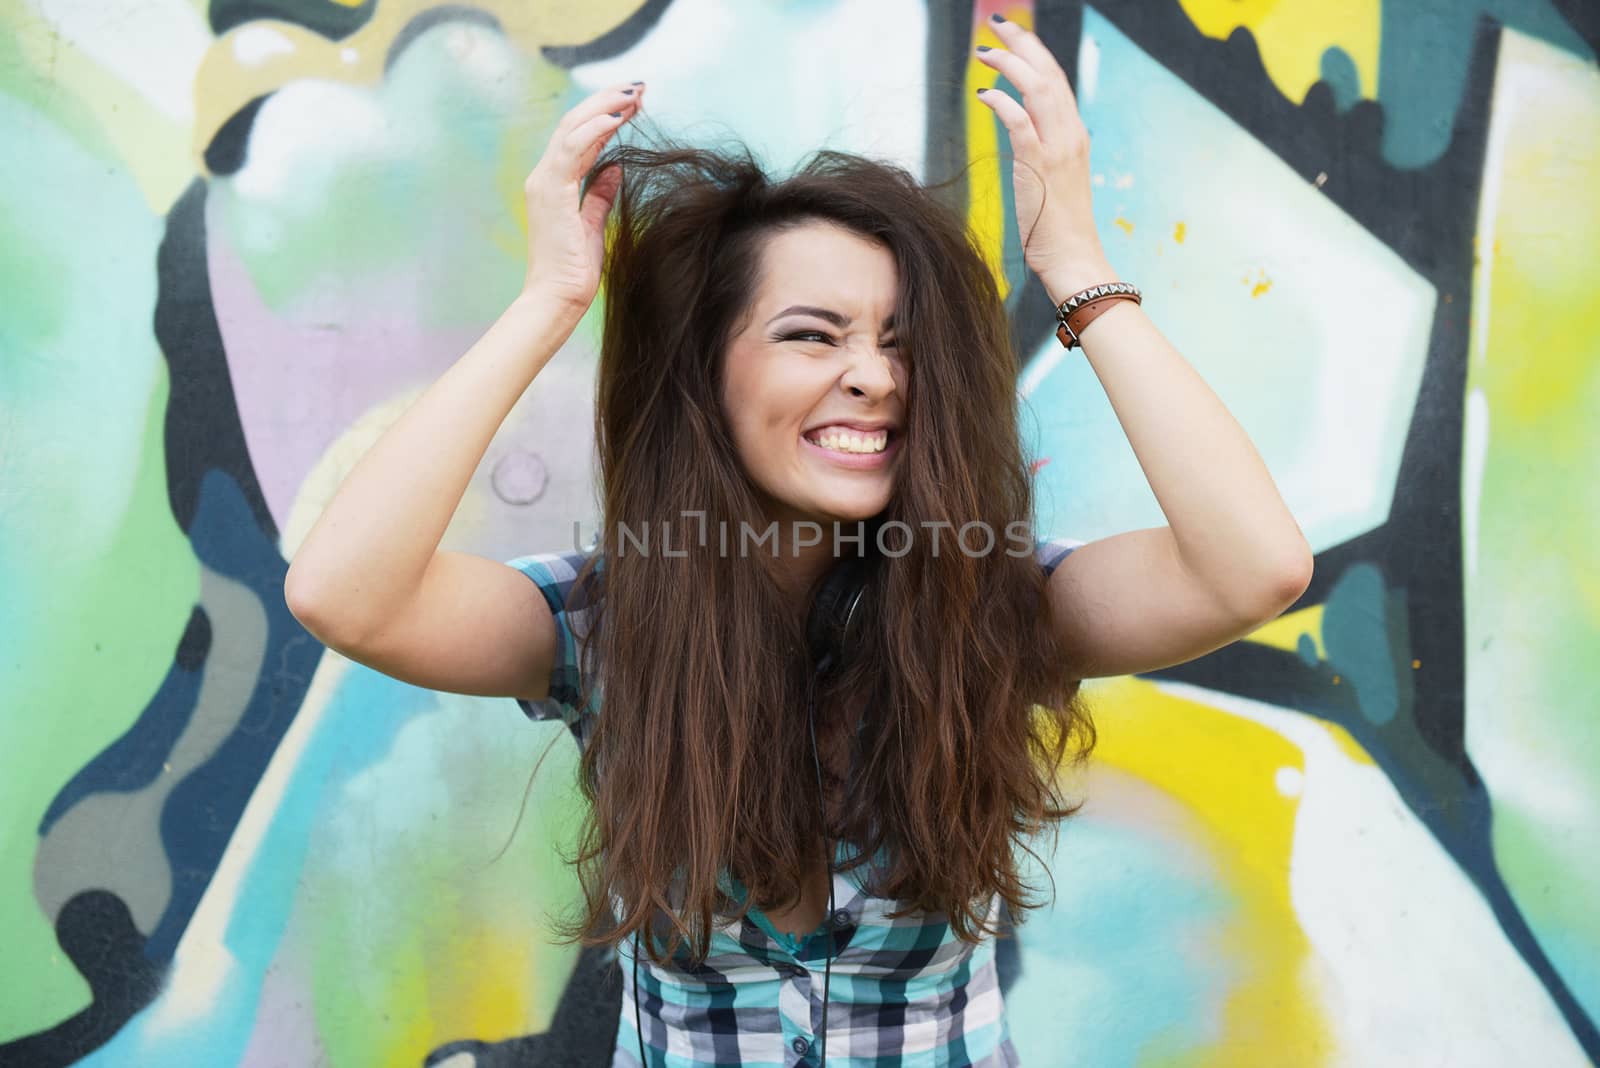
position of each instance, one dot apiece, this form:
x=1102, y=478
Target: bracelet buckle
x=1086, y=305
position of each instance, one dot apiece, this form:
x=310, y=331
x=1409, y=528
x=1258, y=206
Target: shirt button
x=800, y=1046
x=841, y=918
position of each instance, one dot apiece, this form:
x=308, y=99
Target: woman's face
x=814, y=388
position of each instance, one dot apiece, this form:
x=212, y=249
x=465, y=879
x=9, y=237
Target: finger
x=596, y=103
x=587, y=141
x=579, y=128
x=1042, y=93
x=1018, y=123
x=1025, y=43
x=600, y=195
x=603, y=134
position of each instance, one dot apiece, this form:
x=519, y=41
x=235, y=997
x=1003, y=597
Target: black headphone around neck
x=832, y=626
x=835, y=612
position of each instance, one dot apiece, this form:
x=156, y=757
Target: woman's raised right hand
x=566, y=240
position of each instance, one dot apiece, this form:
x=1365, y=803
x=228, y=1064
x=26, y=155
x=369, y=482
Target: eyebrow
x=841, y=321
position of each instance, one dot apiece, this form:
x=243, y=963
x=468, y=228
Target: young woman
x=794, y=374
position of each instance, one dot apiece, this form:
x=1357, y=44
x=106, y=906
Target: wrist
x=539, y=304
x=1063, y=282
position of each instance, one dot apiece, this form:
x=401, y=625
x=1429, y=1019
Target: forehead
x=825, y=264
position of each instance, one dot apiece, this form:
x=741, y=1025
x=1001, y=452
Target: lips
x=858, y=426
x=854, y=460
x=817, y=433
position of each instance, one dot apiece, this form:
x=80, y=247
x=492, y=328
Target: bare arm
x=368, y=553
x=369, y=580
x=1232, y=556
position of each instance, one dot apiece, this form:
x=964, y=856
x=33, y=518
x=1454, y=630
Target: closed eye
x=826, y=338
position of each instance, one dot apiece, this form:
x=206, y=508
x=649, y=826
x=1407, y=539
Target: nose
x=868, y=372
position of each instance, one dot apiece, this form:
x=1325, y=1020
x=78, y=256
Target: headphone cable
x=638, y=1025
x=811, y=717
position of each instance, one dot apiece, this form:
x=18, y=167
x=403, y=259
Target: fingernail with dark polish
x=627, y=92
x=983, y=91
x=985, y=48
x=998, y=17
x=636, y=83
x=616, y=114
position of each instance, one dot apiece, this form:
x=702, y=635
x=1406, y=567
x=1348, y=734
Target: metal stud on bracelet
x=1086, y=305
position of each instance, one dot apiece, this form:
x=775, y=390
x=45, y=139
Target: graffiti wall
x=237, y=238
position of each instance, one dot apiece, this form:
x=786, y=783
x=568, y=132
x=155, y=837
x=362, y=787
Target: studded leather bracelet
x=1085, y=306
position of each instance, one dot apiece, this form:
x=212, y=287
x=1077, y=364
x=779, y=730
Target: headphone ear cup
x=836, y=610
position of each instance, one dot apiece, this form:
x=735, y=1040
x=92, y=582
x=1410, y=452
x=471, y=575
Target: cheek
x=759, y=416
x=780, y=400
x=740, y=400
x=769, y=397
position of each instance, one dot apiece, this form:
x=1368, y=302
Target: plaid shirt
x=902, y=991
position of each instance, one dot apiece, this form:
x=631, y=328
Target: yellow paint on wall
x=494, y=1000
x=108, y=117
x=1286, y=631
x=1293, y=34
x=224, y=82
x=986, y=206
x=1225, y=770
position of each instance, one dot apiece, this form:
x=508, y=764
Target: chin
x=850, y=509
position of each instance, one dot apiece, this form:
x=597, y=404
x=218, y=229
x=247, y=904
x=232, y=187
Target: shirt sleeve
x=1051, y=551
x=554, y=574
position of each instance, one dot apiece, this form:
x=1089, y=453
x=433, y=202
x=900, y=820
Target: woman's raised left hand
x=1051, y=175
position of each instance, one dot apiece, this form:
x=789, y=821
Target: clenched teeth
x=849, y=440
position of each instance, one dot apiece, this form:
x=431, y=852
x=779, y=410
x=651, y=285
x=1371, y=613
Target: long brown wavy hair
x=699, y=763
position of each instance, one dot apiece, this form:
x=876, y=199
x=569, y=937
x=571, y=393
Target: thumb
x=600, y=195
